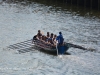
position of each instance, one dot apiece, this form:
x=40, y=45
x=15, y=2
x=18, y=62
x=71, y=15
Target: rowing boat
x=59, y=49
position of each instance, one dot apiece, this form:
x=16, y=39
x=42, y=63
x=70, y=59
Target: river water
x=20, y=21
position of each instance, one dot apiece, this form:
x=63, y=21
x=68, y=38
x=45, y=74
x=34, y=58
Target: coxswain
x=60, y=39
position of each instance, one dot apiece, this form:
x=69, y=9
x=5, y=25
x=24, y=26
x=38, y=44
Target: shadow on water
x=27, y=46
x=22, y=47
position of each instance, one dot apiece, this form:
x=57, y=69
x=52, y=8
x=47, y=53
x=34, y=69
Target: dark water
x=61, y=5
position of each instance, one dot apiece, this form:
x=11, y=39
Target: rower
x=39, y=34
x=51, y=38
x=48, y=35
x=54, y=40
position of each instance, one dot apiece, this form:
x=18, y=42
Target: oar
x=57, y=48
x=76, y=46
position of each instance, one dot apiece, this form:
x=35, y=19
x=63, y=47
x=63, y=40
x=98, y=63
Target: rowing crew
x=50, y=38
